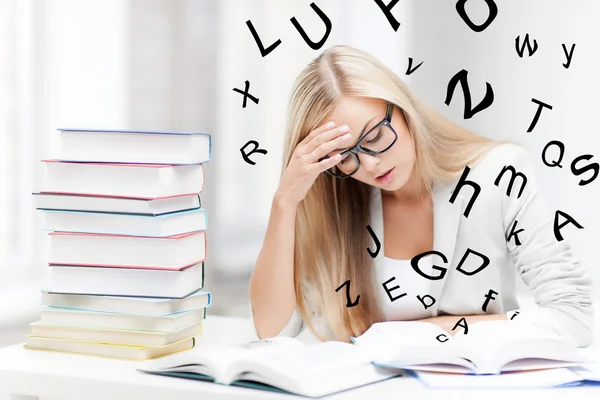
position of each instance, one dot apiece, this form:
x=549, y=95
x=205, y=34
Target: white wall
x=66, y=69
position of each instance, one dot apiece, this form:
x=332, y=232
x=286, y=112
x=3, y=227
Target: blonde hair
x=330, y=233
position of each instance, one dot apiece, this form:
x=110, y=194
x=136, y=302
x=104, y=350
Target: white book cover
x=118, y=205
x=111, y=281
x=126, y=224
x=92, y=249
x=97, y=145
x=122, y=180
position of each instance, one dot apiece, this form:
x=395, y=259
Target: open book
x=541, y=378
x=486, y=347
x=280, y=364
x=385, y=350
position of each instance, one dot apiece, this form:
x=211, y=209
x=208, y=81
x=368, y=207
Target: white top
x=406, y=295
x=404, y=307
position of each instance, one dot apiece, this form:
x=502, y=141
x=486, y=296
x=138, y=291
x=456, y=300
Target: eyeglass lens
x=377, y=140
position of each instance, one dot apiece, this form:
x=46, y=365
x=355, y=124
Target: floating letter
x=254, y=150
x=348, y=302
x=461, y=77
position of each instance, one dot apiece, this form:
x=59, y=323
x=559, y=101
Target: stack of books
x=127, y=235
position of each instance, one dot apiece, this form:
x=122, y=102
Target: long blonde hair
x=330, y=233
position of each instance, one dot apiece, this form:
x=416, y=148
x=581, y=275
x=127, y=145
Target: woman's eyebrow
x=361, y=133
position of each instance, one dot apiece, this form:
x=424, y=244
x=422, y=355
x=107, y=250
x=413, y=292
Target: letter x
x=246, y=94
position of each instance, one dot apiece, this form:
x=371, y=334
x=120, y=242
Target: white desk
x=31, y=374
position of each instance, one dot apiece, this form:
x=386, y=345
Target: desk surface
x=75, y=377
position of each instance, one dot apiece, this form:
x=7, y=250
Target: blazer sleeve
x=293, y=328
x=560, y=285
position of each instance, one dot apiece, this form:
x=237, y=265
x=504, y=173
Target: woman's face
x=361, y=115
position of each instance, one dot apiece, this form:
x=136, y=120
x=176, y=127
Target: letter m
x=514, y=174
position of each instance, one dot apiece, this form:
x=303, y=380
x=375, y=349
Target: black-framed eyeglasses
x=377, y=140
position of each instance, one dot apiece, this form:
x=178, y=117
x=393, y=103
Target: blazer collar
x=446, y=220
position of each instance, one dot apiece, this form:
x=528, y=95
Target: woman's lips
x=388, y=176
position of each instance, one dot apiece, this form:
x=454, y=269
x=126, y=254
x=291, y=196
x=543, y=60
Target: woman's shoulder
x=504, y=161
x=504, y=153
x=500, y=158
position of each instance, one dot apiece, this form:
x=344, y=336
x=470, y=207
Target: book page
x=291, y=365
x=495, y=343
x=321, y=385
x=216, y=362
x=225, y=359
x=529, y=379
x=383, y=338
x=589, y=372
x=403, y=343
x=486, y=337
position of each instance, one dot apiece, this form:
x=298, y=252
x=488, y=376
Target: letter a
x=464, y=326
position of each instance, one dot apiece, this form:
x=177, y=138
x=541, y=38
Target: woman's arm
x=271, y=288
x=561, y=286
x=453, y=323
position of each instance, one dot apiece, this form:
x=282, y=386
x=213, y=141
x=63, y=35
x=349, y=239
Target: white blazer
x=560, y=285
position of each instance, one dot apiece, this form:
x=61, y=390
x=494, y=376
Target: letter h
x=462, y=182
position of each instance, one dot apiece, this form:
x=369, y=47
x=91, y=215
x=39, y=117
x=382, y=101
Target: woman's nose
x=369, y=162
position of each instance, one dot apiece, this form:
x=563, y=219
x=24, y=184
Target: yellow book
x=108, y=320
x=113, y=336
x=133, y=353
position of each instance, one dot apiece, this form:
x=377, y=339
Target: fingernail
x=344, y=128
x=346, y=136
x=330, y=124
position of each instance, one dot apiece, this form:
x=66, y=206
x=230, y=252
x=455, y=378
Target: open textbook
x=286, y=364
x=281, y=364
x=486, y=347
x=541, y=378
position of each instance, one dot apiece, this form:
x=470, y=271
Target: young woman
x=386, y=210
